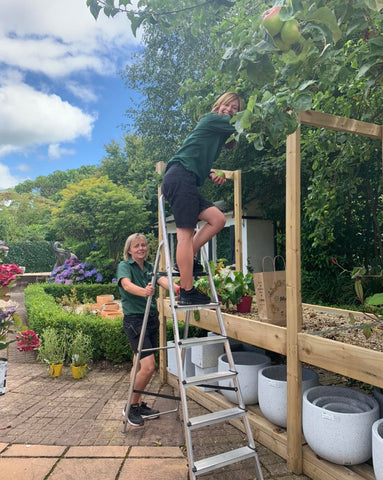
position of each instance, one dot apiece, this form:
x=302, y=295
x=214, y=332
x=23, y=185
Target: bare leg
x=184, y=256
x=144, y=374
x=215, y=221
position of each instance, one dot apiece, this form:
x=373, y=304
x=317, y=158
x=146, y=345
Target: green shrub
x=34, y=256
x=107, y=336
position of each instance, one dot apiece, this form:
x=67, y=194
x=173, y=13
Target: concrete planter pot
x=3, y=375
x=272, y=391
x=337, y=423
x=247, y=365
x=377, y=448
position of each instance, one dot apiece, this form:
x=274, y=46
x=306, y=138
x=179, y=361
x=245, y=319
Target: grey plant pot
x=247, y=365
x=377, y=448
x=3, y=375
x=272, y=391
x=337, y=423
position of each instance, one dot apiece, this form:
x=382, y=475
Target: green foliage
x=84, y=292
x=80, y=350
x=53, y=346
x=36, y=256
x=107, y=337
x=95, y=215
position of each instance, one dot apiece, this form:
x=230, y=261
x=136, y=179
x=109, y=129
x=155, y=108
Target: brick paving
x=64, y=429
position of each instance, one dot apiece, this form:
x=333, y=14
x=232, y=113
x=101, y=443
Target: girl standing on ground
x=186, y=171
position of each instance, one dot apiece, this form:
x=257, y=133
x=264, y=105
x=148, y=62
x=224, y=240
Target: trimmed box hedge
x=108, y=338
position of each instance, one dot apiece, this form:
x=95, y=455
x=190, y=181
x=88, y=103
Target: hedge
x=108, y=338
x=34, y=256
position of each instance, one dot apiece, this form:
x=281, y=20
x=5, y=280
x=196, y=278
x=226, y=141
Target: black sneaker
x=146, y=411
x=193, y=297
x=134, y=416
x=197, y=267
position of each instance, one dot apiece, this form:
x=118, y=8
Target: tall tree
x=94, y=218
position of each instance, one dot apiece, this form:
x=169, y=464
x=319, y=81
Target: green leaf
x=376, y=5
x=303, y=102
x=375, y=300
x=94, y=8
x=324, y=15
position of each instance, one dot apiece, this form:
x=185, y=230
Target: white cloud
x=23, y=167
x=29, y=117
x=55, y=151
x=6, y=179
x=83, y=92
x=58, y=37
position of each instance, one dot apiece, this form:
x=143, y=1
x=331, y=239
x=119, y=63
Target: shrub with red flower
x=27, y=341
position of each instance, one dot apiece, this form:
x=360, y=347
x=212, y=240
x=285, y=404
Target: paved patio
x=66, y=429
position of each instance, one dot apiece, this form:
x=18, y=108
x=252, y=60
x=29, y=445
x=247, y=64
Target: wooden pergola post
x=237, y=178
x=294, y=303
x=160, y=167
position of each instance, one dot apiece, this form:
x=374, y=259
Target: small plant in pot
x=80, y=353
x=239, y=290
x=52, y=350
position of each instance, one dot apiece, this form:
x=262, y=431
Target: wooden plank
x=293, y=302
x=247, y=330
x=318, y=469
x=348, y=360
x=340, y=124
x=337, y=311
x=238, y=219
x=160, y=168
x=364, y=470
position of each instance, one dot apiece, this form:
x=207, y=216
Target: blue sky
x=61, y=94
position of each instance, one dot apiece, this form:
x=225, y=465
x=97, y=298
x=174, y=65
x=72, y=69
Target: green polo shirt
x=203, y=146
x=132, y=304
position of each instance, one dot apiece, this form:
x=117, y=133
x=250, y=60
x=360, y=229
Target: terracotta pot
x=56, y=370
x=101, y=299
x=111, y=306
x=78, y=372
x=244, y=306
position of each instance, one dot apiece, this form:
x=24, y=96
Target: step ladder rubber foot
x=223, y=459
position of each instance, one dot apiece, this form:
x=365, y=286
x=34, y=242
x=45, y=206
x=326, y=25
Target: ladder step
x=216, y=417
x=227, y=458
x=210, y=306
x=210, y=340
x=209, y=377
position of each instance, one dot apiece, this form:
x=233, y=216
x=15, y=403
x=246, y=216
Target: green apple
x=290, y=32
x=220, y=174
x=279, y=43
x=271, y=20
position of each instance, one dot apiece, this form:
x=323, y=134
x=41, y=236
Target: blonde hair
x=129, y=241
x=227, y=98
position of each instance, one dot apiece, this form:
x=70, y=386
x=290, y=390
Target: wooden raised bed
x=350, y=360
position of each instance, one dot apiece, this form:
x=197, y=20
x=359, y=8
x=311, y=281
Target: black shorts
x=179, y=187
x=132, y=329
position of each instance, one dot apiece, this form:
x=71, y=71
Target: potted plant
x=52, y=350
x=80, y=353
x=239, y=290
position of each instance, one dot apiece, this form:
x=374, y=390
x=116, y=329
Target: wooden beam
x=264, y=335
x=238, y=218
x=293, y=303
x=160, y=168
x=340, y=124
x=349, y=360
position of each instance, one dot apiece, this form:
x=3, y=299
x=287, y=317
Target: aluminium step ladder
x=206, y=465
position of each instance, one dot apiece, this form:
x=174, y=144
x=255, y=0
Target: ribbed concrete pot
x=272, y=391
x=337, y=423
x=377, y=448
x=247, y=364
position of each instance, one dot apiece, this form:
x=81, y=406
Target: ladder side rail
x=176, y=334
x=136, y=363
